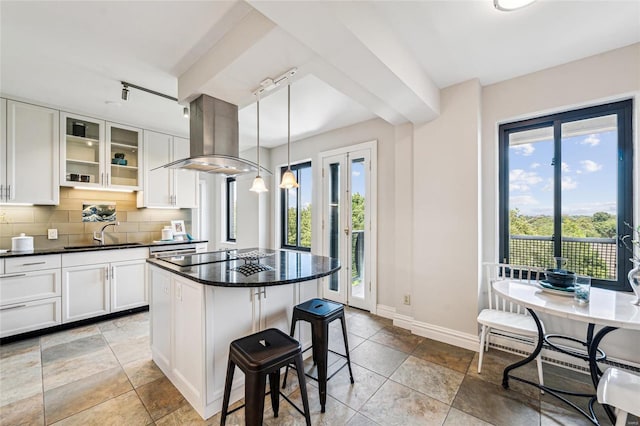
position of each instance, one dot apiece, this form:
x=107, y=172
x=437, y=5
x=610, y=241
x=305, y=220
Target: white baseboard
x=385, y=311
x=431, y=331
x=498, y=341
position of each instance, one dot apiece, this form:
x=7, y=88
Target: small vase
x=634, y=280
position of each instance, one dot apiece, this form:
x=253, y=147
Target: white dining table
x=611, y=310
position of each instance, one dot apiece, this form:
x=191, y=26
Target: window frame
x=228, y=182
x=295, y=168
x=624, y=111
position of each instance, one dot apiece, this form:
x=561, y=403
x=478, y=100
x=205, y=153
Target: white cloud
x=525, y=149
x=522, y=200
x=548, y=186
x=592, y=140
x=568, y=183
x=519, y=180
x=590, y=166
x=590, y=208
x=565, y=167
x=534, y=165
x=355, y=173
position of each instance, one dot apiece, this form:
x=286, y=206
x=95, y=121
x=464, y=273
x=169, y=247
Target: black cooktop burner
x=202, y=258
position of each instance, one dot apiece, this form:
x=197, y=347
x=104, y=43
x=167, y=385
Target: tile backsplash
x=136, y=225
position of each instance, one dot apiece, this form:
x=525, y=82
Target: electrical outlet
x=52, y=234
x=407, y=299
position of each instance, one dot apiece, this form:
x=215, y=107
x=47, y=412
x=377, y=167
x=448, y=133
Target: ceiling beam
x=250, y=30
x=364, y=58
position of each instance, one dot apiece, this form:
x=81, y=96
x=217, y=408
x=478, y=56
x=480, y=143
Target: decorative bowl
x=560, y=277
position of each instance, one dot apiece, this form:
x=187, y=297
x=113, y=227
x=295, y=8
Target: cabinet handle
x=12, y=307
x=112, y=274
x=33, y=263
x=12, y=276
x=8, y=192
x=1, y=192
x=108, y=180
x=106, y=273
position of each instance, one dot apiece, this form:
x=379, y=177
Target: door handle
x=346, y=231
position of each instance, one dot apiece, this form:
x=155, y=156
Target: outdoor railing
x=596, y=257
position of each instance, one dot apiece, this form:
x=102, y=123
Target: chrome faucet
x=99, y=235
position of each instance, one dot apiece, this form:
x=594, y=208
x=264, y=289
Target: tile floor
x=102, y=374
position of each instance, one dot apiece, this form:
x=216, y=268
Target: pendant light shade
x=509, y=5
x=288, y=178
x=258, y=183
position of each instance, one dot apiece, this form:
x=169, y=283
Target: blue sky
x=589, y=175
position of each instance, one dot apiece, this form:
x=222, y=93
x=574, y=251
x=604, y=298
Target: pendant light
x=258, y=183
x=288, y=178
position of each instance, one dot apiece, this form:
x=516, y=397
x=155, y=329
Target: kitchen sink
x=103, y=246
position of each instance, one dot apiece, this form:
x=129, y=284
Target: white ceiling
x=356, y=60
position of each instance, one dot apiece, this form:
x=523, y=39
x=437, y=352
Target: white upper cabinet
x=185, y=181
x=164, y=187
x=123, y=156
x=98, y=154
x=29, y=154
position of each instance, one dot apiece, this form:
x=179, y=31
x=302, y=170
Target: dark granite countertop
x=287, y=267
x=87, y=247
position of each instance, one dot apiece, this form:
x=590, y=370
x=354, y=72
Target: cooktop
x=202, y=258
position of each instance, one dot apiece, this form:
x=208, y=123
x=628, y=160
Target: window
x=296, y=209
x=566, y=191
x=231, y=209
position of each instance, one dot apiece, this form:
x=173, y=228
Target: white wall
x=598, y=79
x=308, y=149
x=446, y=214
x=442, y=177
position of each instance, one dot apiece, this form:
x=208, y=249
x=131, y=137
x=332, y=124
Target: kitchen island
x=200, y=303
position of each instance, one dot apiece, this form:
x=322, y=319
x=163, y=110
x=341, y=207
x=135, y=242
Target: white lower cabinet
x=29, y=294
x=192, y=326
x=29, y=316
x=128, y=285
x=86, y=292
x=90, y=290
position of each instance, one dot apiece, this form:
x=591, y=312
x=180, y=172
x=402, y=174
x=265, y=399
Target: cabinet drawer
x=104, y=256
x=31, y=263
x=28, y=316
x=26, y=286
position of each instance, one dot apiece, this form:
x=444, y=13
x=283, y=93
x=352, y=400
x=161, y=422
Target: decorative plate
x=559, y=291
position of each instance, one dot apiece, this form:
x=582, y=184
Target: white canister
x=22, y=243
x=167, y=233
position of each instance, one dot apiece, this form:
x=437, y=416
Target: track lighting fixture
x=125, y=92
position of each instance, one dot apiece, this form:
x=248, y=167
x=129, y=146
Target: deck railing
x=596, y=257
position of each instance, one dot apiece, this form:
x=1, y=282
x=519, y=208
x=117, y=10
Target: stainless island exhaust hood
x=214, y=142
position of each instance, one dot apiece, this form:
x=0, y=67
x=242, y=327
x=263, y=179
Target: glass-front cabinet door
x=82, y=151
x=98, y=154
x=123, y=157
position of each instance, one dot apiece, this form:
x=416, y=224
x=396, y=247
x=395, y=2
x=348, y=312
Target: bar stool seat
x=260, y=355
x=320, y=313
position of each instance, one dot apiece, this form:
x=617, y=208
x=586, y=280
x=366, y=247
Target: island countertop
x=219, y=268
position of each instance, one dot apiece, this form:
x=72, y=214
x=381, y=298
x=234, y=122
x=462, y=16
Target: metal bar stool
x=319, y=313
x=260, y=355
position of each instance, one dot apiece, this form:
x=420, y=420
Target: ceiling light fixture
x=509, y=5
x=288, y=178
x=125, y=92
x=258, y=183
